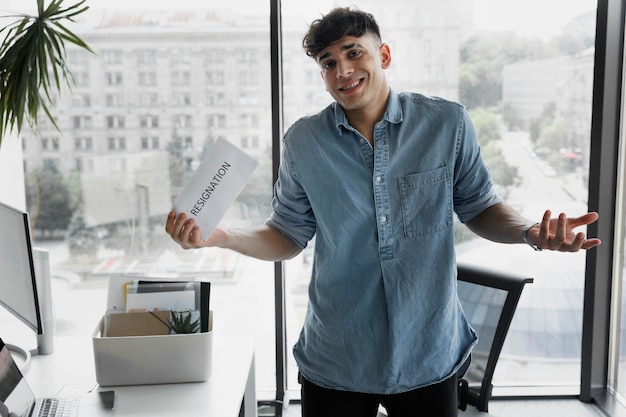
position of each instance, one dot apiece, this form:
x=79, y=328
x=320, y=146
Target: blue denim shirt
x=383, y=314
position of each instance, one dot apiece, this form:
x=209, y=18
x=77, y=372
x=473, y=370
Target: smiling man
x=377, y=177
x=352, y=71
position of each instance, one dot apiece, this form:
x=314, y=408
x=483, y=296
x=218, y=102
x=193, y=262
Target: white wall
x=12, y=172
x=11, y=161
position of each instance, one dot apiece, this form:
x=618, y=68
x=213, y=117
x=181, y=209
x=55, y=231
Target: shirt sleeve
x=473, y=188
x=291, y=210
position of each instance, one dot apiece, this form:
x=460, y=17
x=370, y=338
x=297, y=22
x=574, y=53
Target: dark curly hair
x=335, y=25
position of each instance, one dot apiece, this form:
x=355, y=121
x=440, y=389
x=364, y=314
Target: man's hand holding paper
x=186, y=233
x=209, y=194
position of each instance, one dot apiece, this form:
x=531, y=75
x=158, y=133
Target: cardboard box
x=157, y=359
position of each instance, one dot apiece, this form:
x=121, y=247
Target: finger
x=591, y=243
x=585, y=219
x=185, y=232
x=544, y=229
x=169, y=223
x=187, y=239
x=183, y=238
x=194, y=237
x=576, y=244
x=561, y=231
x=181, y=229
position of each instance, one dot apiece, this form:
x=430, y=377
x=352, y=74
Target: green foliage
x=81, y=240
x=181, y=323
x=503, y=174
x=546, y=118
x=510, y=117
x=33, y=51
x=178, y=179
x=483, y=58
x=489, y=135
x=486, y=124
x=49, y=201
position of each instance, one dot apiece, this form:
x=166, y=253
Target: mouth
x=352, y=86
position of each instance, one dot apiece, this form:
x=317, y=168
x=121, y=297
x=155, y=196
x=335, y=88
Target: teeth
x=354, y=84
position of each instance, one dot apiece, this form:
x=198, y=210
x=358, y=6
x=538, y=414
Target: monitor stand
x=45, y=341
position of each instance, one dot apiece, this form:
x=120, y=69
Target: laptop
x=17, y=398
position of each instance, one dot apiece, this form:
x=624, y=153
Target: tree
x=487, y=127
x=486, y=124
x=483, y=58
x=81, y=240
x=510, y=117
x=176, y=166
x=553, y=135
x=548, y=113
x=48, y=198
x=577, y=35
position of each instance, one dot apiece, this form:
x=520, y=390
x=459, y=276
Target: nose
x=344, y=69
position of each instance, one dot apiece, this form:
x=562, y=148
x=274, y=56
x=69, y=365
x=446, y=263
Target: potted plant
x=33, y=62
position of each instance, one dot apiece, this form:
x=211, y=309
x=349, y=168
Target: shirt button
x=383, y=219
x=379, y=179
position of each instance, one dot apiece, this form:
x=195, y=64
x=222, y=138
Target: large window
x=101, y=209
x=524, y=70
x=528, y=83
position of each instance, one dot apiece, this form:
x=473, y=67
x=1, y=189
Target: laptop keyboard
x=59, y=407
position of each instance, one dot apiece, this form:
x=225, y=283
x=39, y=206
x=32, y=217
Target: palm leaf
x=32, y=63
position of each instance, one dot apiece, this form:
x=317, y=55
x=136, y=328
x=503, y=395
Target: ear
x=385, y=55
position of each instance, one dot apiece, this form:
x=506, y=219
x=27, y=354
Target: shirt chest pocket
x=426, y=200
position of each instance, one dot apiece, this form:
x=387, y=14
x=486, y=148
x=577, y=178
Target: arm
x=263, y=242
x=501, y=223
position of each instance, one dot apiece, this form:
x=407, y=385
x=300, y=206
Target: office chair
x=489, y=299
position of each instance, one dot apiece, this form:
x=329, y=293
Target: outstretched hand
x=186, y=233
x=558, y=233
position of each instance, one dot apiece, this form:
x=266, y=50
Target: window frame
x=606, y=115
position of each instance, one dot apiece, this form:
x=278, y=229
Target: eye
x=328, y=65
x=355, y=53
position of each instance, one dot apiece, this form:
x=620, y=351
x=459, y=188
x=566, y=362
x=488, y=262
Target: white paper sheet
x=215, y=185
x=169, y=300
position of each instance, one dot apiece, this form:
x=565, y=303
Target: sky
x=524, y=17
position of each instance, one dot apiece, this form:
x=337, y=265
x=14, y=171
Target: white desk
x=71, y=368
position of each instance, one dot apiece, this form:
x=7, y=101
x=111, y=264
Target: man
x=377, y=177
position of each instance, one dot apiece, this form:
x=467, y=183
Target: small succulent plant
x=181, y=323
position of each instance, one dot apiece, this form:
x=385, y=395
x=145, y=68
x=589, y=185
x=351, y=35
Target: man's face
x=353, y=71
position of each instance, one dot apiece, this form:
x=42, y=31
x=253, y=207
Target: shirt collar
x=393, y=112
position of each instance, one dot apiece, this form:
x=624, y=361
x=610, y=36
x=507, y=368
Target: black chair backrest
x=489, y=299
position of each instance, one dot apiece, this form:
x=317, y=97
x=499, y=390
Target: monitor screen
x=18, y=287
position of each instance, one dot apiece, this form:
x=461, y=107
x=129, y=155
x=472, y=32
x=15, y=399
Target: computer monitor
x=24, y=269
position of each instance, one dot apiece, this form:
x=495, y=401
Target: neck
x=364, y=119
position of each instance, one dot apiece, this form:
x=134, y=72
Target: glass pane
x=164, y=83
x=482, y=306
x=617, y=375
x=619, y=382
x=525, y=72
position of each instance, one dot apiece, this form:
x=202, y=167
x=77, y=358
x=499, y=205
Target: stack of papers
x=159, y=307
